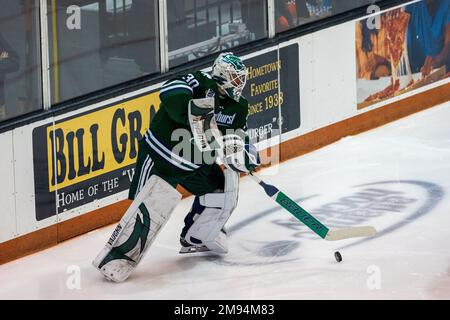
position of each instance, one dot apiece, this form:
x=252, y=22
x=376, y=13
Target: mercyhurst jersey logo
x=225, y=120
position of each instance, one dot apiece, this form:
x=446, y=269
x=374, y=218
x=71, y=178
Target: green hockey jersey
x=173, y=150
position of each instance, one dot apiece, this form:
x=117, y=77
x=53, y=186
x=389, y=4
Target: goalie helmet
x=231, y=74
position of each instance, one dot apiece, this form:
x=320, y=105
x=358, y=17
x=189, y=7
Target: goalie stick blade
x=346, y=233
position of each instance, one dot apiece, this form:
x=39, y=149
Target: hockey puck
x=338, y=256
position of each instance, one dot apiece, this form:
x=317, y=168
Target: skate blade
x=193, y=249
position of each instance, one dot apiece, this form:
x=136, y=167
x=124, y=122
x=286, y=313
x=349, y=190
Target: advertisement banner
x=402, y=50
x=267, y=93
x=88, y=156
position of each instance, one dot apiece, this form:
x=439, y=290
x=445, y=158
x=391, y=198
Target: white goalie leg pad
x=137, y=229
x=219, y=206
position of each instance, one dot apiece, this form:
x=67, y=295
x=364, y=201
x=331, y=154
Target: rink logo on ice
x=89, y=156
x=386, y=205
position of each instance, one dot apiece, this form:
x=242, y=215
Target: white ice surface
x=272, y=256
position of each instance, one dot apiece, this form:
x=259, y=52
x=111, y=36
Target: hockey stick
x=311, y=222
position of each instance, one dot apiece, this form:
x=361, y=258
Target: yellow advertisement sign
x=98, y=142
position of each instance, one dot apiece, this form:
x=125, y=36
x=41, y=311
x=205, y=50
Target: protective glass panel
x=292, y=13
x=98, y=44
x=20, y=67
x=199, y=28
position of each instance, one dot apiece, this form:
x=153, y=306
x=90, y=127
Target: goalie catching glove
x=239, y=154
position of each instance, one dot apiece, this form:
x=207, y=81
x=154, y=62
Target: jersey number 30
x=191, y=81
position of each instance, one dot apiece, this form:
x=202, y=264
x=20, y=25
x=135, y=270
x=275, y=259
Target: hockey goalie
x=211, y=108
